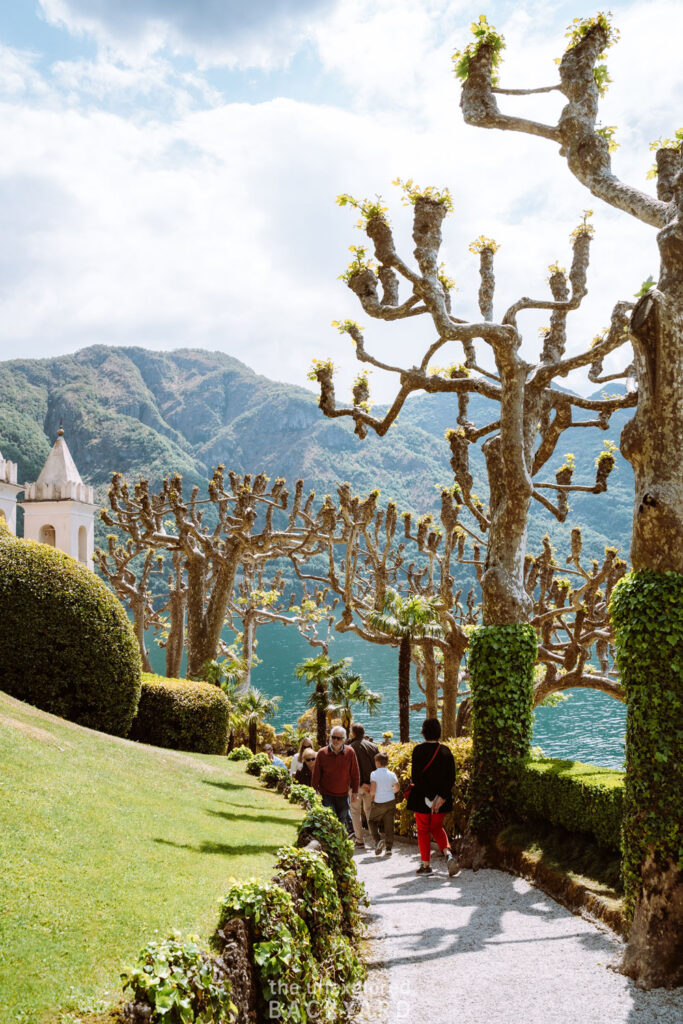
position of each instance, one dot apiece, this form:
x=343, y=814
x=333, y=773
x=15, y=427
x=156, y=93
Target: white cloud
x=140, y=207
x=262, y=33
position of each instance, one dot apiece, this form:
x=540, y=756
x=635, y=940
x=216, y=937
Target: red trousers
x=430, y=825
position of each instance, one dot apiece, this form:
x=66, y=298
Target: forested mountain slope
x=150, y=413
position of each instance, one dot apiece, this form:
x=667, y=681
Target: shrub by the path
x=182, y=714
x=67, y=645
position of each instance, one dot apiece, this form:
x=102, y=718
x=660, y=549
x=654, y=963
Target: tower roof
x=59, y=479
x=59, y=468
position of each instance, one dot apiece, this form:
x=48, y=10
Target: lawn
x=102, y=843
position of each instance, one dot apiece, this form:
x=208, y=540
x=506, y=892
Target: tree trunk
x=404, y=690
x=654, y=955
x=452, y=659
x=463, y=721
x=175, y=644
x=505, y=599
x=138, y=606
x=321, y=715
x=249, y=629
x=253, y=736
x=206, y=618
x=653, y=440
x=431, y=681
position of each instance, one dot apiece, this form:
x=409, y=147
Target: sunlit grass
x=104, y=841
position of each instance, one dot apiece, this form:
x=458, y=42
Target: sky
x=169, y=169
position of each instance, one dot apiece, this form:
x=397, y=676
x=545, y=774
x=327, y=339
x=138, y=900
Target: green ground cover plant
x=104, y=842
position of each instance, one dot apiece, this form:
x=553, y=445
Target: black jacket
x=438, y=779
x=304, y=776
x=365, y=752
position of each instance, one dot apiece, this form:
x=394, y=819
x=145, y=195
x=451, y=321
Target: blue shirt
x=278, y=761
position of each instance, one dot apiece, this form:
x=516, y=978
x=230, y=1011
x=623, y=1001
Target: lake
x=589, y=726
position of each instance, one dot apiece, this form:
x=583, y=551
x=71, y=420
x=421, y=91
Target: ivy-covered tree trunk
x=404, y=689
x=501, y=661
x=647, y=611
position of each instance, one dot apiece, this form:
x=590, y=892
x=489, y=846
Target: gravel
x=488, y=948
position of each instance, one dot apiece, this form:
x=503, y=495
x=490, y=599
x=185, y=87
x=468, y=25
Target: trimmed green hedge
x=579, y=797
x=67, y=645
x=182, y=714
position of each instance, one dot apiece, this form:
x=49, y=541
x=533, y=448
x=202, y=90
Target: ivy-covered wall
x=501, y=663
x=647, y=613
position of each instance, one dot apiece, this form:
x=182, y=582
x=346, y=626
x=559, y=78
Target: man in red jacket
x=335, y=774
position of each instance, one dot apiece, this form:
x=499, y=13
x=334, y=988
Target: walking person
x=335, y=775
x=297, y=761
x=383, y=789
x=304, y=775
x=431, y=796
x=365, y=751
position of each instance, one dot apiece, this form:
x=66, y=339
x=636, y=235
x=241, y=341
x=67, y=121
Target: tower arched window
x=47, y=535
x=82, y=544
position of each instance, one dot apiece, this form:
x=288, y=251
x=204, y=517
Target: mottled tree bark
x=653, y=441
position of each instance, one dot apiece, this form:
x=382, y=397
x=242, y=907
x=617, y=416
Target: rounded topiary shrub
x=182, y=714
x=67, y=644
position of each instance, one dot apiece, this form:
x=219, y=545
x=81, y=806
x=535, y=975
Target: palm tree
x=254, y=707
x=345, y=688
x=323, y=673
x=407, y=619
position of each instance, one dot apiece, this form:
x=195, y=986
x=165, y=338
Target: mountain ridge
x=143, y=412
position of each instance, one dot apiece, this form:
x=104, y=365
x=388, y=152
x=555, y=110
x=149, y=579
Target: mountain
x=150, y=413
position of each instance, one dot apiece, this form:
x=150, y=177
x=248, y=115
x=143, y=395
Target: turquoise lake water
x=588, y=727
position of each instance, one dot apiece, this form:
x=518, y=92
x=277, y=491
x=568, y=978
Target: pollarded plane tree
x=571, y=617
x=531, y=418
x=258, y=601
x=250, y=524
x=394, y=596
x=648, y=605
x=128, y=569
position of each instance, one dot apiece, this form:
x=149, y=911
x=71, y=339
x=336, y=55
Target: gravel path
x=488, y=948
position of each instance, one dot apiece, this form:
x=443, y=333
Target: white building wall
x=8, y=493
x=66, y=517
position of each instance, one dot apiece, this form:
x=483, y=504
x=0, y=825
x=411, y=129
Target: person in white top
x=383, y=789
x=298, y=759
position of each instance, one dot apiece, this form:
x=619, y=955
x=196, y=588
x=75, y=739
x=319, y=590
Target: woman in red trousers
x=431, y=798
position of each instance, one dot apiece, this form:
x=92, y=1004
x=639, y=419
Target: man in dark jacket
x=365, y=752
x=336, y=774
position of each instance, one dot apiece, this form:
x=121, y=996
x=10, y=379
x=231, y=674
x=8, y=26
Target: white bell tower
x=59, y=509
x=8, y=493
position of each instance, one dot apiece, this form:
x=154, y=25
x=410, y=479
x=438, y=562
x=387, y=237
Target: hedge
x=67, y=644
x=182, y=714
x=578, y=797
x=400, y=755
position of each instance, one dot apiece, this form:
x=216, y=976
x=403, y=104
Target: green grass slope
x=102, y=842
